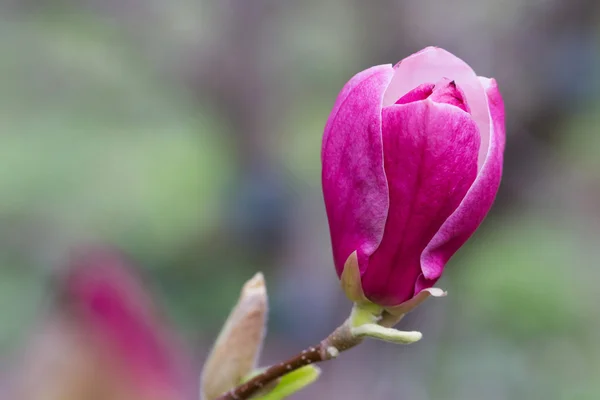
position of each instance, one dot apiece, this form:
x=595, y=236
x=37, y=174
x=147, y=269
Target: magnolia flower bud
x=412, y=160
x=236, y=351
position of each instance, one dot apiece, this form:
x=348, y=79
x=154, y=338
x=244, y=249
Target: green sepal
x=386, y=334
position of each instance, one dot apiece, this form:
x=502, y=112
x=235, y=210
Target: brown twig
x=244, y=391
x=340, y=340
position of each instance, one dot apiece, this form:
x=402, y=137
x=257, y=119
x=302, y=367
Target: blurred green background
x=187, y=133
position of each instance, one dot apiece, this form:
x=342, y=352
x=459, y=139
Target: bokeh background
x=186, y=134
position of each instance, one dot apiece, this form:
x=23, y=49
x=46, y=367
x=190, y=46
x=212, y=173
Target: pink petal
x=432, y=64
x=354, y=183
x=430, y=162
x=495, y=105
x=476, y=204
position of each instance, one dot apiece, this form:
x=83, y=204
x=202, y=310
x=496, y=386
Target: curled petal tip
x=411, y=304
x=436, y=292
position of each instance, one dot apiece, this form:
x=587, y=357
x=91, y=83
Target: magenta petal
x=430, y=162
x=478, y=200
x=421, y=92
x=354, y=183
x=447, y=92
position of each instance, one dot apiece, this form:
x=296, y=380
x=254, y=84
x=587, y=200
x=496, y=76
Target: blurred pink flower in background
x=106, y=341
x=412, y=160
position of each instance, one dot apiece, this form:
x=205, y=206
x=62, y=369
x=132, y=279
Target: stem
x=309, y=356
x=340, y=340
